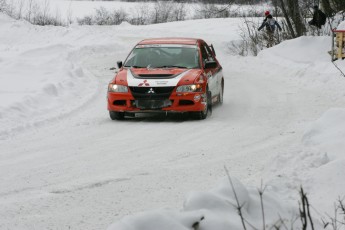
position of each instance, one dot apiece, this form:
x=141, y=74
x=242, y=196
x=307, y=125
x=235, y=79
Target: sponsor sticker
x=161, y=82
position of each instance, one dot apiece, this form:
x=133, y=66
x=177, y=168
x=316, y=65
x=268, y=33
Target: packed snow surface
x=66, y=165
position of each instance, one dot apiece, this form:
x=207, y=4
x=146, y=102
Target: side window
x=206, y=56
x=206, y=53
x=210, y=53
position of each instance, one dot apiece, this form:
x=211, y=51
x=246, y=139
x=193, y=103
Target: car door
x=217, y=71
x=207, y=55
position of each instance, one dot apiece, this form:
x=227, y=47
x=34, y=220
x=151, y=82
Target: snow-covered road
x=74, y=168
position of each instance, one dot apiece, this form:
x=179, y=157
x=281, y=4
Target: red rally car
x=169, y=75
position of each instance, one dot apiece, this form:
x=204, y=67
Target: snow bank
x=341, y=26
x=39, y=76
x=319, y=164
x=214, y=209
x=327, y=136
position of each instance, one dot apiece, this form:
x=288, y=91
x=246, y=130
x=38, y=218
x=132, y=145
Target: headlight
x=189, y=88
x=117, y=88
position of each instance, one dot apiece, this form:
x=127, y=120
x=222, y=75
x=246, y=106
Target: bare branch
x=239, y=207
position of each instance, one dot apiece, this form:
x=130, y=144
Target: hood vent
x=155, y=76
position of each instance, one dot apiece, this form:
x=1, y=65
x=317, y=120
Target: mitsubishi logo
x=151, y=91
x=145, y=83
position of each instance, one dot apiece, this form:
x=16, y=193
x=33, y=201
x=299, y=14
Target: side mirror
x=210, y=64
x=119, y=64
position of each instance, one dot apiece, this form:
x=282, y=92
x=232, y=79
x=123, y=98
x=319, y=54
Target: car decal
x=144, y=83
x=132, y=81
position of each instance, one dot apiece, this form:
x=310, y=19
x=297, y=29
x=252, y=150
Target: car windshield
x=163, y=56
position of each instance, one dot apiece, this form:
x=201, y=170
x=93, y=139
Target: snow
x=341, y=26
x=65, y=164
x=213, y=210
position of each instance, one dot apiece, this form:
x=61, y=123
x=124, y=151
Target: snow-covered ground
x=66, y=165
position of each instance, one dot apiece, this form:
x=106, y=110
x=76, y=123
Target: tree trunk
x=296, y=18
x=287, y=18
x=326, y=5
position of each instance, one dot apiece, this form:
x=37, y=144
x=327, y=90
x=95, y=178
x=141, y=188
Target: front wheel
x=116, y=115
x=221, y=95
x=201, y=115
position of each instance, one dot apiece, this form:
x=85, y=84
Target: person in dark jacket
x=270, y=23
x=319, y=18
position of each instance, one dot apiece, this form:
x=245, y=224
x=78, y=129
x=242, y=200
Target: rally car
x=167, y=75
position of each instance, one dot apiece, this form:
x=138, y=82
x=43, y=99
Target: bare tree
x=338, y=5
x=57, y=18
x=29, y=10
x=3, y=5
x=293, y=18
x=118, y=16
x=179, y=12
x=211, y=10
x=162, y=11
x=36, y=9
x=45, y=11
x=102, y=16
x=69, y=13
x=10, y=8
x=142, y=13
x=304, y=211
x=20, y=9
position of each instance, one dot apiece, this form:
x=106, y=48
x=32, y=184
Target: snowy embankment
x=39, y=76
x=319, y=163
x=66, y=165
x=42, y=79
x=214, y=209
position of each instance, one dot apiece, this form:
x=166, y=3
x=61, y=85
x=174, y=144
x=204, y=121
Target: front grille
x=154, y=93
x=152, y=104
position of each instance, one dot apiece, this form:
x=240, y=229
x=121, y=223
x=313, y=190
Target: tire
x=116, y=115
x=201, y=115
x=221, y=94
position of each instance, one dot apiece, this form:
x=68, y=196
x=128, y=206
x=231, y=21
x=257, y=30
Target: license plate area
x=153, y=104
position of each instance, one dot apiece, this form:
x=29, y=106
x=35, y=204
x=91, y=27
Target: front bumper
x=177, y=102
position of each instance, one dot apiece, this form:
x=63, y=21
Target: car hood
x=157, y=77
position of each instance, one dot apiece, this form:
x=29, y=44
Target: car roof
x=184, y=41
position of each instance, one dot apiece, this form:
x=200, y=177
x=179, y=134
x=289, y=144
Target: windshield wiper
x=171, y=66
x=135, y=66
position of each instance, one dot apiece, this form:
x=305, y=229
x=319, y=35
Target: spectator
x=270, y=23
x=319, y=18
